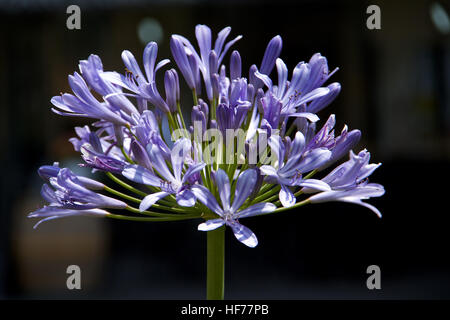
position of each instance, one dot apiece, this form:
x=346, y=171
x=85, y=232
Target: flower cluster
x=250, y=146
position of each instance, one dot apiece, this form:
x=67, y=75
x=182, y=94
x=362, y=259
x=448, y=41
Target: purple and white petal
x=186, y=198
x=204, y=196
x=256, y=209
x=141, y=175
x=151, y=199
x=223, y=185
x=244, y=186
x=212, y=224
x=244, y=234
x=286, y=196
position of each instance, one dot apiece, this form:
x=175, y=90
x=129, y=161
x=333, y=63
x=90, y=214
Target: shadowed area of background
x=395, y=85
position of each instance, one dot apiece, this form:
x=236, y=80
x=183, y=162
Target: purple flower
x=319, y=72
x=84, y=104
x=69, y=195
x=171, y=183
x=92, y=71
x=298, y=162
x=325, y=138
x=209, y=60
x=320, y=103
x=50, y=213
x=85, y=136
x=292, y=93
x=229, y=213
x=355, y=195
x=272, y=52
x=349, y=182
x=48, y=172
x=235, y=65
x=172, y=86
x=143, y=86
x=134, y=118
x=101, y=161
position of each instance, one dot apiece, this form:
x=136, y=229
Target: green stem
x=127, y=157
x=125, y=185
x=149, y=219
x=215, y=264
x=298, y=204
x=167, y=215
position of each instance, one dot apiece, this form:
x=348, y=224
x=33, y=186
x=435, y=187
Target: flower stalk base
x=215, y=264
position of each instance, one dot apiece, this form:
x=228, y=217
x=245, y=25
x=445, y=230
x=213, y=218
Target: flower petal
x=244, y=234
x=151, y=199
x=308, y=115
x=193, y=169
x=159, y=164
x=259, y=208
x=269, y=171
x=314, y=184
x=149, y=58
x=287, y=198
x=244, y=186
x=186, y=198
x=211, y=224
x=140, y=175
x=223, y=185
x=178, y=154
x=205, y=197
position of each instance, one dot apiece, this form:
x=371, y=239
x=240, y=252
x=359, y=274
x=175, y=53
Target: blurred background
x=395, y=85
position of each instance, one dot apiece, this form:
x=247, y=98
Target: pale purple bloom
x=134, y=80
x=352, y=172
x=207, y=62
x=181, y=58
x=292, y=93
x=70, y=195
x=146, y=127
x=349, y=182
x=172, y=182
x=229, y=117
x=235, y=65
x=84, y=104
x=355, y=195
x=97, y=152
x=229, y=213
x=325, y=138
x=319, y=72
x=198, y=117
x=322, y=102
x=298, y=163
x=133, y=121
x=172, y=86
x=51, y=212
x=85, y=136
x=271, y=54
x=101, y=161
x=48, y=172
x=343, y=144
x=140, y=155
x=92, y=71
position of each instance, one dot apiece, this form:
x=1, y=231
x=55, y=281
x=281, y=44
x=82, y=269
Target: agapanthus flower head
x=251, y=145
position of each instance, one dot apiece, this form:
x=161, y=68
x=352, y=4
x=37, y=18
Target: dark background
x=395, y=89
